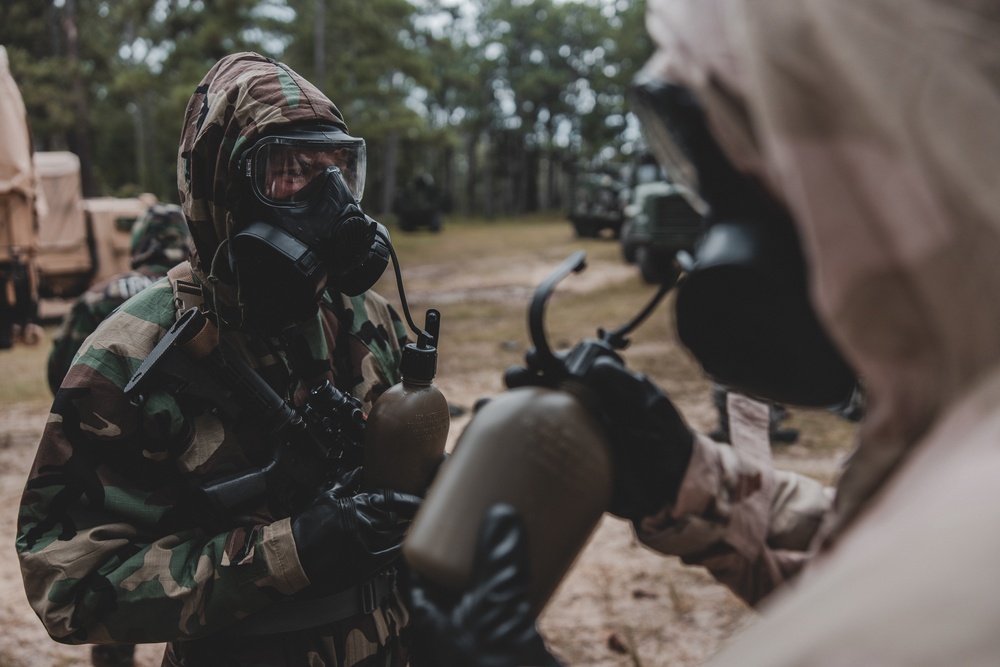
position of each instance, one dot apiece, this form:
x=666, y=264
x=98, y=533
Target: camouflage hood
x=242, y=98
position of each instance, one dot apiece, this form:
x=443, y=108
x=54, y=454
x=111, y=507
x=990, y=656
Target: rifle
x=311, y=447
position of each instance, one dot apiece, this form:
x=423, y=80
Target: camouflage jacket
x=113, y=545
x=89, y=310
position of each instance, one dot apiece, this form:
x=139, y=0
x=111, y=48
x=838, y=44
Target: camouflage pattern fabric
x=114, y=545
x=160, y=239
x=160, y=236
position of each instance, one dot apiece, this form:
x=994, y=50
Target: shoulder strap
x=187, y=292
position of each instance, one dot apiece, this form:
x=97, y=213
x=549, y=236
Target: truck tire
x=585, y=229
x=656, y=268
x=628, y=245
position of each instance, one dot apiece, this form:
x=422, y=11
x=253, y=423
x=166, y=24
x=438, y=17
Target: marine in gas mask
x=853, y=233
x=270, y=182
x=303, y=230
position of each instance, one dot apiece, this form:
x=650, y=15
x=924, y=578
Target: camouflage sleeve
x=79, y=323
x=751, y=526
x=113, y=545
x=87, y=312
x=379, y=335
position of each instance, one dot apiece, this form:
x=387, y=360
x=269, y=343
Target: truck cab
x=658, y=222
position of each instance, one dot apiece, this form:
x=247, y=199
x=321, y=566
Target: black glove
x=651, y=443
x=343, y=541
x=491, y=624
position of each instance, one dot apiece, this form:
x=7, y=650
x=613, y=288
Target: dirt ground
x=620, y=605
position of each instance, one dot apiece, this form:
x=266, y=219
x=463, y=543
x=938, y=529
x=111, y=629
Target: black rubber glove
x=343, y=541
x=491, y=624
x=651, y=443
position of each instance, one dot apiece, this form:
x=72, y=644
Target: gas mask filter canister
x=743, y=307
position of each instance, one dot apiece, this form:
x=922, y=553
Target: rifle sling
x=312, y=613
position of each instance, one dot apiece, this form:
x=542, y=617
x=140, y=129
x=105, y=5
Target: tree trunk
x=532, y=158
x=472, y=174
x=319, y=44
x=489, y=205
x=389, y=171
x=448, y=179
x=554, y=199
x=80, y=139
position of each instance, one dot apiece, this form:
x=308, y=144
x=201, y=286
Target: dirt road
x=621, y=605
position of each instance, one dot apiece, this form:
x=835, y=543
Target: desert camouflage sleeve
x=752, y=527
x=112, y=546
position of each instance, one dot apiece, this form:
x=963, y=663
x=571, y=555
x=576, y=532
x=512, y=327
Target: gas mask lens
x=655, y=104
x=283, y=167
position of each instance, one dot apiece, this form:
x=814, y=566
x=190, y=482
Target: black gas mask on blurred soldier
x=304, y=230
x=743, y=307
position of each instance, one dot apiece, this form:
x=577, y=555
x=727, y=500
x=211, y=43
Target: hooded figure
x=865, y=132
x=116, y=543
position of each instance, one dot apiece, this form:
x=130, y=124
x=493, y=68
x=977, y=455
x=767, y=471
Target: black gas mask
x=304, y=230
x=743, y=307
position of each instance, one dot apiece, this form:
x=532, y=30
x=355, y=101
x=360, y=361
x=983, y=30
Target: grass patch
x=22, y=369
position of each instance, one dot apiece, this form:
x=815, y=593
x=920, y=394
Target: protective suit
x=115, y=545
x=869, y=129
x=874, y=124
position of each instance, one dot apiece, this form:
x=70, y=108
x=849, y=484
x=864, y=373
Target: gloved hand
x=491, y=624
x=651, y=444
x=344, y=541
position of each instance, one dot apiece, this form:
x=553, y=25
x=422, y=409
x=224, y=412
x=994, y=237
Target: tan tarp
x=16, y=176
x=62, y=230
x=111, y=221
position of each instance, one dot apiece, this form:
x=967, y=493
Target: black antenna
x=616, y=338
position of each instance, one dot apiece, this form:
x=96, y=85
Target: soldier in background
x=160, y=240
x=421, y=204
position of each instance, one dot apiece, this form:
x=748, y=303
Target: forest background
x=500, y=101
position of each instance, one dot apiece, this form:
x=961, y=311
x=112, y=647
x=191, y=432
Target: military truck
x=595, y=201
x=659, y=221
x=420, y=204
x=80, y=241
x=53, y=243
x=18, y=271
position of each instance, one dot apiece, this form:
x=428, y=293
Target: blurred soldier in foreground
x=118, y=537
x=846, y=156
x=160, y=240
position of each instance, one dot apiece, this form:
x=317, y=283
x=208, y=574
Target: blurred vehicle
x=658, y=222
x=80, y=241
x=420, y=204
x=54, y=243
x=18, y=203
x=595, y=201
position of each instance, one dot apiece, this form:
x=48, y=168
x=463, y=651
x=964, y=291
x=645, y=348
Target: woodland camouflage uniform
x=113, y=545
x=160, y=239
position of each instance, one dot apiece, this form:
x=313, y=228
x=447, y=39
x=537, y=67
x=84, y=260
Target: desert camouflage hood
x=875, y=122
x=242, y=98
